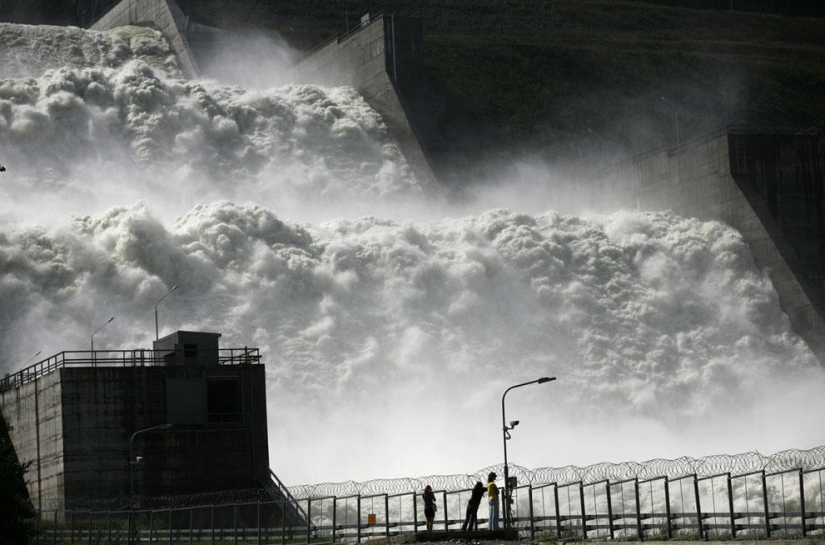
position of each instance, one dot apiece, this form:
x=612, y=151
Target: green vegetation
x=17, y=511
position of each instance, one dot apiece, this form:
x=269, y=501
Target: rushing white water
x=390, y=322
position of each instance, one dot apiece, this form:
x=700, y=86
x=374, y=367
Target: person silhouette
x=492, y=495
x=429, y=507
x=471, y=518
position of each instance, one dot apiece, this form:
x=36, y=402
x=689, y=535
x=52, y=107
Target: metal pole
x=156, y=309
x=505, y=437
x=802, y=501
x=698, y=507
x=610, y=512
x=132, y=459
x=582, y=506
x=730, y=508
x=93, y=337
x=667, y=509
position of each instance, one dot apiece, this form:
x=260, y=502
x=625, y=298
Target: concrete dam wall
x=379, y=59
x=163, y=15
x=767, y=186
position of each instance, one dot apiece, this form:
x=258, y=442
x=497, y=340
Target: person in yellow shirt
x=492, y=495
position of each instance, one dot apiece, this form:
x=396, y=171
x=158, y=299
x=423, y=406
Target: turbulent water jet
x=389, y=322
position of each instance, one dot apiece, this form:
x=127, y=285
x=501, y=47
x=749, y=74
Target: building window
x=190, y=351
x=223, y=400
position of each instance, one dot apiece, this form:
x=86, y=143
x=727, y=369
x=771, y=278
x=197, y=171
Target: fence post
x=358, y=515
x=151, y=526
x=54, y=532
x=584, y=517
x=558, y=514
x=730, y=507
x=802, y=500
x=258, y=521
x=90, y=527
x=667, y=509
x=639, y=531
x=387, y=514
x=212, y=522
x=309, y=519
x=698, y=507
x=71, y=527
x=283, y=522
x=530, y=511
x=610, y=511
x=446, y=518
x=765, y=501
x=415, y=512
x=191, y=526
x=334, y=516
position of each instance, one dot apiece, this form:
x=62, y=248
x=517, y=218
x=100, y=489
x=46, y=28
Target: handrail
x=141, y=357
x=337, y=38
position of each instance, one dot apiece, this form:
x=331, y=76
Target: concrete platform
x=480, y=535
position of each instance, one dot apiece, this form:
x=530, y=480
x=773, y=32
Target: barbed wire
x=735, y=464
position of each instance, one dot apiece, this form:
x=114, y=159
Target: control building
x=186, y=417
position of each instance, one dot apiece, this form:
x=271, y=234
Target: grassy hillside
x=586, y=81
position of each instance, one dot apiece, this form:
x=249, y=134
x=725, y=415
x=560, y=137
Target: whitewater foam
x=390, y=323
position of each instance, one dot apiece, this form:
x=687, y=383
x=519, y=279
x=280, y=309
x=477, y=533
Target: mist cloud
x=390, y=322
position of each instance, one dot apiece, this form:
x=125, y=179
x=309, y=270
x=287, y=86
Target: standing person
x=471, y=519
x=492, y=495
x=429, y=507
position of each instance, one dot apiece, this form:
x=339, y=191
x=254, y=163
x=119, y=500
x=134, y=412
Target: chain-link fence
x=745, y=496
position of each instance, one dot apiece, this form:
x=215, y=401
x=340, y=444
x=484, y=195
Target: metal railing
x=338, y=38
x=774, y=501
x=122, y=358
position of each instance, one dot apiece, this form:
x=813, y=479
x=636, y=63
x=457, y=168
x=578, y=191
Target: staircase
x=294, y=514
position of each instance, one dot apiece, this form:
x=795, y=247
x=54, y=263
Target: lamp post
x=133, y=462
x=506, y=435
x=93, y=336
x=31, y=358
x=156, y=309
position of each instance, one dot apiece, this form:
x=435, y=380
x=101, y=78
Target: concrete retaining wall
x=375, y=60
x=34, y=417
x=163, y=15
x=707, y=179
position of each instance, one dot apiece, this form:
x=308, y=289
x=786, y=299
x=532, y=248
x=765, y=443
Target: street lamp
x=93, y=336
x=31, y=358
x=133, y=463
x=506, y=435
x=156, y=309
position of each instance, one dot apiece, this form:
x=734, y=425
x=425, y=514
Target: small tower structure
x=186, y=417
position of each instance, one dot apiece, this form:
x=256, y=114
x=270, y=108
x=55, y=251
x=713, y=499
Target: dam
x=768, y=186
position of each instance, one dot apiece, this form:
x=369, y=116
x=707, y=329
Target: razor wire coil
x=735, y=465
